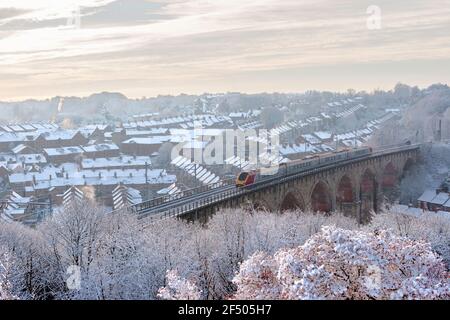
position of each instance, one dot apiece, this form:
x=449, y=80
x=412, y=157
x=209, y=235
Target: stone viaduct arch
x=407, y=165
x=321, y=197
x=345, y=194
x=390, y=182
x=368, y=194
x=293, y=200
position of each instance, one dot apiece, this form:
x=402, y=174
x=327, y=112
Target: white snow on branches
x=5, y=270
x=119, y=258
x=178, y=288
x=343, y=264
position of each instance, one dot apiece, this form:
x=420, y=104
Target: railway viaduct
x=355, y=187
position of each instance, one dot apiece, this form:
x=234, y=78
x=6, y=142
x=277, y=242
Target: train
x=248, y=178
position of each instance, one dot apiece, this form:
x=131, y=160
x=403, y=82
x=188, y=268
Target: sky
x=146, y=48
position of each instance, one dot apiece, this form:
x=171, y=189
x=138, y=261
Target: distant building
x=22, y=209
x=435, y=200
x=71, y=196
x=4, y=172
x=103, y=150
x=170, y=190
x=63, y=154
x=124, y=197
x=60, y=138
x=120, y=162
x=143, y=146
x=310, y=139
x=9, y=140
x=54, y=182
x=23, y=149
x=193, y=150
x=325, y=137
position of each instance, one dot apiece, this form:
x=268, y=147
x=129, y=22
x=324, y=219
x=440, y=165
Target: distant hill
x=420, y=120
x=93, y=107
x=426, y=114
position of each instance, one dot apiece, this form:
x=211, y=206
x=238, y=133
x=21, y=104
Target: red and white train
x=248, y=178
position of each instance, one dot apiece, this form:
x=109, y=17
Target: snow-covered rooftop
x=122, y=161
x=148, y=140
x=63, y=151
x=100, y=147
x=427, y=196
x=440, y=198
x=323, y=135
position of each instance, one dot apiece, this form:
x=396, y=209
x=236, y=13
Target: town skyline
x=344, y=91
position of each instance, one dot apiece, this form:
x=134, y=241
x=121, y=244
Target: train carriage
x=248, y=178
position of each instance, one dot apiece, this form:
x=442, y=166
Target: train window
x=243, y=176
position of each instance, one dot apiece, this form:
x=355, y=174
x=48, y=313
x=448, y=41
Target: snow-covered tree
x=178, y=288
x=428, y=227
x=34, y=273
x=5, y=273
x=123, y=267
x=122, y=257
x=344, y=264
x=75, y=233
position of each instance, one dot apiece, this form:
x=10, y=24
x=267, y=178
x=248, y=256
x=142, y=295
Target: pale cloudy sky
x=146, y=47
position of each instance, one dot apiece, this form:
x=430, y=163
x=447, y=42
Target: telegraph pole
x=146, y=180
x=195, y=174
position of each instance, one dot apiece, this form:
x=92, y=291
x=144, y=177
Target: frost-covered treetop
x=343, y=264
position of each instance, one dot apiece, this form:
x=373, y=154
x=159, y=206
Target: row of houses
x=326, y=141
x=183, y=122
x=436, y=200
x=31, y=210
x=196, y=171
x=28, y=155
x=41, y=163
x=27, y=210
x=349, y=111
x=41, y=140
x=344, y=102
x=359, y=137
x=52, y=180
x=28, y=127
